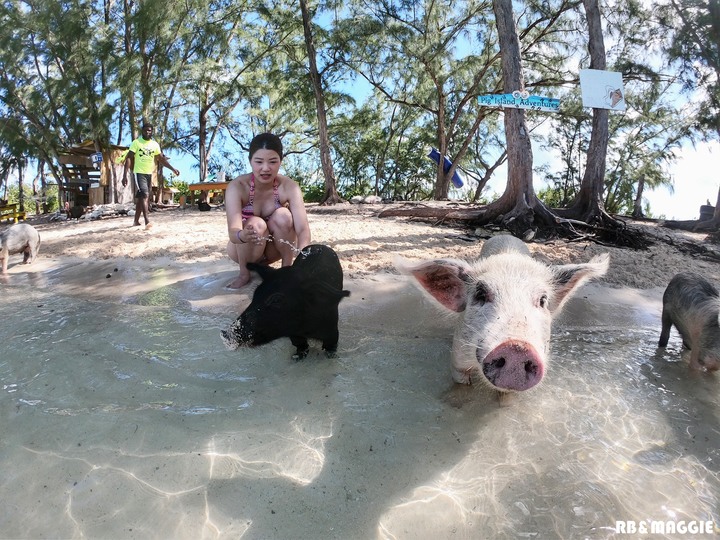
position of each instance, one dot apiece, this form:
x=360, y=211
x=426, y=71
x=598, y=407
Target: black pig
x=298, y=301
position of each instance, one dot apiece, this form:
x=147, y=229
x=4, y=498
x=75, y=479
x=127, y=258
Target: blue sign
x=520, y=100
x=457, y=178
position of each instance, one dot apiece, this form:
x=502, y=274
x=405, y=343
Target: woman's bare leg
x=284, y=242
x=248, y=252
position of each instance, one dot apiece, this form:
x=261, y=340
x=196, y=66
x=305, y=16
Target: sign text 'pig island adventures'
x=520, y=100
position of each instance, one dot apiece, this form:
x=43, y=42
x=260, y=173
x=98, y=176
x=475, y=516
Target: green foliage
x=428, y=62
x=553, y=197
x=692, y=30
x=642, y=144
x=398, y=77
x=180, y=185
x=642, y=141
x=52, y=199
x=313, y=193
x=33, y=204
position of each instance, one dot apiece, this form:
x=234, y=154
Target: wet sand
x=125, y=417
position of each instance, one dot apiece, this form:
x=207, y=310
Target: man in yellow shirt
x=144, y=156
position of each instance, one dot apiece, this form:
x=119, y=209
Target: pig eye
x=482, y=294
x=543, y=301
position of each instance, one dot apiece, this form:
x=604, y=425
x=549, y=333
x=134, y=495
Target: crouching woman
x=265, y=211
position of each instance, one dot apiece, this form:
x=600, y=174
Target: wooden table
x=206, y=186
x=10, y=211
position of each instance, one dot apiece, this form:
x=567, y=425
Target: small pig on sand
x=507, y=300
x=19, y=238
x=298, y=301
x=692, y=304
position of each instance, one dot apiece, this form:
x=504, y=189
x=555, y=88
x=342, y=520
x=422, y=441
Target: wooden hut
x=88, y=181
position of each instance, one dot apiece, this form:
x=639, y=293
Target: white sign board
x=602, y=89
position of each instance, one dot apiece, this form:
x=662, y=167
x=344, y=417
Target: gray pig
x=507, y=300
x=692, y=304
x=19, y=238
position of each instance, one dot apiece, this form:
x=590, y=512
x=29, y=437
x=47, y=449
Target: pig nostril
x=513, y=367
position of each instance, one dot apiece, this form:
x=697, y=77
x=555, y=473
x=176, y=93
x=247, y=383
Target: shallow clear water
x=124, y=417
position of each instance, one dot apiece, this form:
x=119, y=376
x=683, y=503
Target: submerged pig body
x=507, y=301
x=692, y=304
x=19, y=238
x=298, y=301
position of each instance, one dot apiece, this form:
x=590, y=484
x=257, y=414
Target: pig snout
x=513, y=366
x=238, y=334
x=231, y=342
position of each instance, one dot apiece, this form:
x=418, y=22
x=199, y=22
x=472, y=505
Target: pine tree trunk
x=43, y=186
x=637, y=205
x=21, y=194
x=519, y=193
x=589, y=205
x=442, y=181
x=202, y=143
x=331, y=195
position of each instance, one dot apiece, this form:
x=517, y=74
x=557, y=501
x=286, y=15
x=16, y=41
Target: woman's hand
x=251, y=236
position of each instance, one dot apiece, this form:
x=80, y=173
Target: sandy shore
x=365, y=243
x=126, y=417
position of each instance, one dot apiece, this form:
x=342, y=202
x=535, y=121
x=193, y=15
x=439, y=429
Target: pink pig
x=19, y=238
x=507, y=300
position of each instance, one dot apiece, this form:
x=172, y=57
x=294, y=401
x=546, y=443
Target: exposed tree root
x=694, y=225
x=713, y=238
x=621, y=236
x=431, y=213
x=706, y=250
x=332, y=199
x=529, y=223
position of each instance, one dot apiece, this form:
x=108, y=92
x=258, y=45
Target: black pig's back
x=318, y=263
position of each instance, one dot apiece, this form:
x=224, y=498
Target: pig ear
x=328, y=291
x=263, y=269
x=568, y=277
x=446, y=280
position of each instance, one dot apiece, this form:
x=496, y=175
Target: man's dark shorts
x=144, y=185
